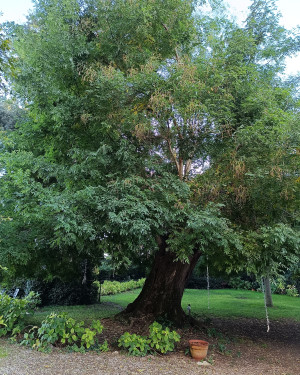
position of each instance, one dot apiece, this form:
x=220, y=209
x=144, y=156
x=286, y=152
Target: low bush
x=63, y=331
x=239, y=283
x=13, y=312
x=279, y=285
x=135, y=344
x=292, y=291
x=160, y=340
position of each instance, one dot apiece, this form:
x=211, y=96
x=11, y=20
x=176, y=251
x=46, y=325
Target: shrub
x=135, y=344
x=114, y=287
x=13, y=311
x=62, y=330
x=281, y=287
x=160, y=340
x=292, y=291
x=238, y=283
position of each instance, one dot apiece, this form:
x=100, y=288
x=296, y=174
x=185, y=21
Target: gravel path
x=27, y=362
x=250, y=352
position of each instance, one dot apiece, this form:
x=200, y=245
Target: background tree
x=6, y=61
x=10, y=114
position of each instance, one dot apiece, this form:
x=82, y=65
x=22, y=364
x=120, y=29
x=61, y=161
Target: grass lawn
x=85, y=313
x=223, y=303
x=241, y=303
x=227, y=303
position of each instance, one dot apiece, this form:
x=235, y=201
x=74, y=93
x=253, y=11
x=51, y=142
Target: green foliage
x=162, y=340
x=281, y=286
x=159, y=340
x=135, y=344
x=149, y=120
x=292, y=291
x=2, y=322
x=29, y=338
x=13, y=312
x=114, y=287
x=10, y=114
x=238, y=283
x=6, y=59
x=104, y=347
x=222, y=341
x=273, y=249
x=88, y=338
x=61, y=330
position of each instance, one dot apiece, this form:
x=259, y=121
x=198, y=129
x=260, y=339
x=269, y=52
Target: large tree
x=128, y=101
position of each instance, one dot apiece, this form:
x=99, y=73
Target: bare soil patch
x=237, y=346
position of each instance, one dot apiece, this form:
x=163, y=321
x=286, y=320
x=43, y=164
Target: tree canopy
x=152, y=127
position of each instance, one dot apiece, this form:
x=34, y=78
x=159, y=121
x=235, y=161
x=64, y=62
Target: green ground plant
x=64, y=331
x=160, y=340
x=292, y=291
x=222, y=341
x=135, y=344
x=13, y=312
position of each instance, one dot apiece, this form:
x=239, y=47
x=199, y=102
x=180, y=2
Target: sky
x=16, y=10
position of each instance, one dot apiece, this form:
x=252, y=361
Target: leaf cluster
x=61, y=330
x=13, y=312
x=127, y=103
x=159, y=340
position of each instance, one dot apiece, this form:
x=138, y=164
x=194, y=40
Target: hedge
x=114, y=287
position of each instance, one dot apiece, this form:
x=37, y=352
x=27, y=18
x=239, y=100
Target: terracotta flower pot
x=198, y=349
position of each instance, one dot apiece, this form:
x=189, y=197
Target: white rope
x=84, y=276
x=266, y=308
x=207, y=278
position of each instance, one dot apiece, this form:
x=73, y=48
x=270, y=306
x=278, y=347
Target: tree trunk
x=268, y=292
x=164, y=287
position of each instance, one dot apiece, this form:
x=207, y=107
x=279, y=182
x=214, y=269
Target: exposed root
x=139, y=319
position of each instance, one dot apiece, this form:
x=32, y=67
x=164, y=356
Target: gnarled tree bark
x=164, y=287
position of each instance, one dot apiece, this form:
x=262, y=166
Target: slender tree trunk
x=268, y=292
x=164, y=287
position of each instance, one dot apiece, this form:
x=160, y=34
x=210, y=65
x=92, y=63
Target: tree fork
x=164, y=287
